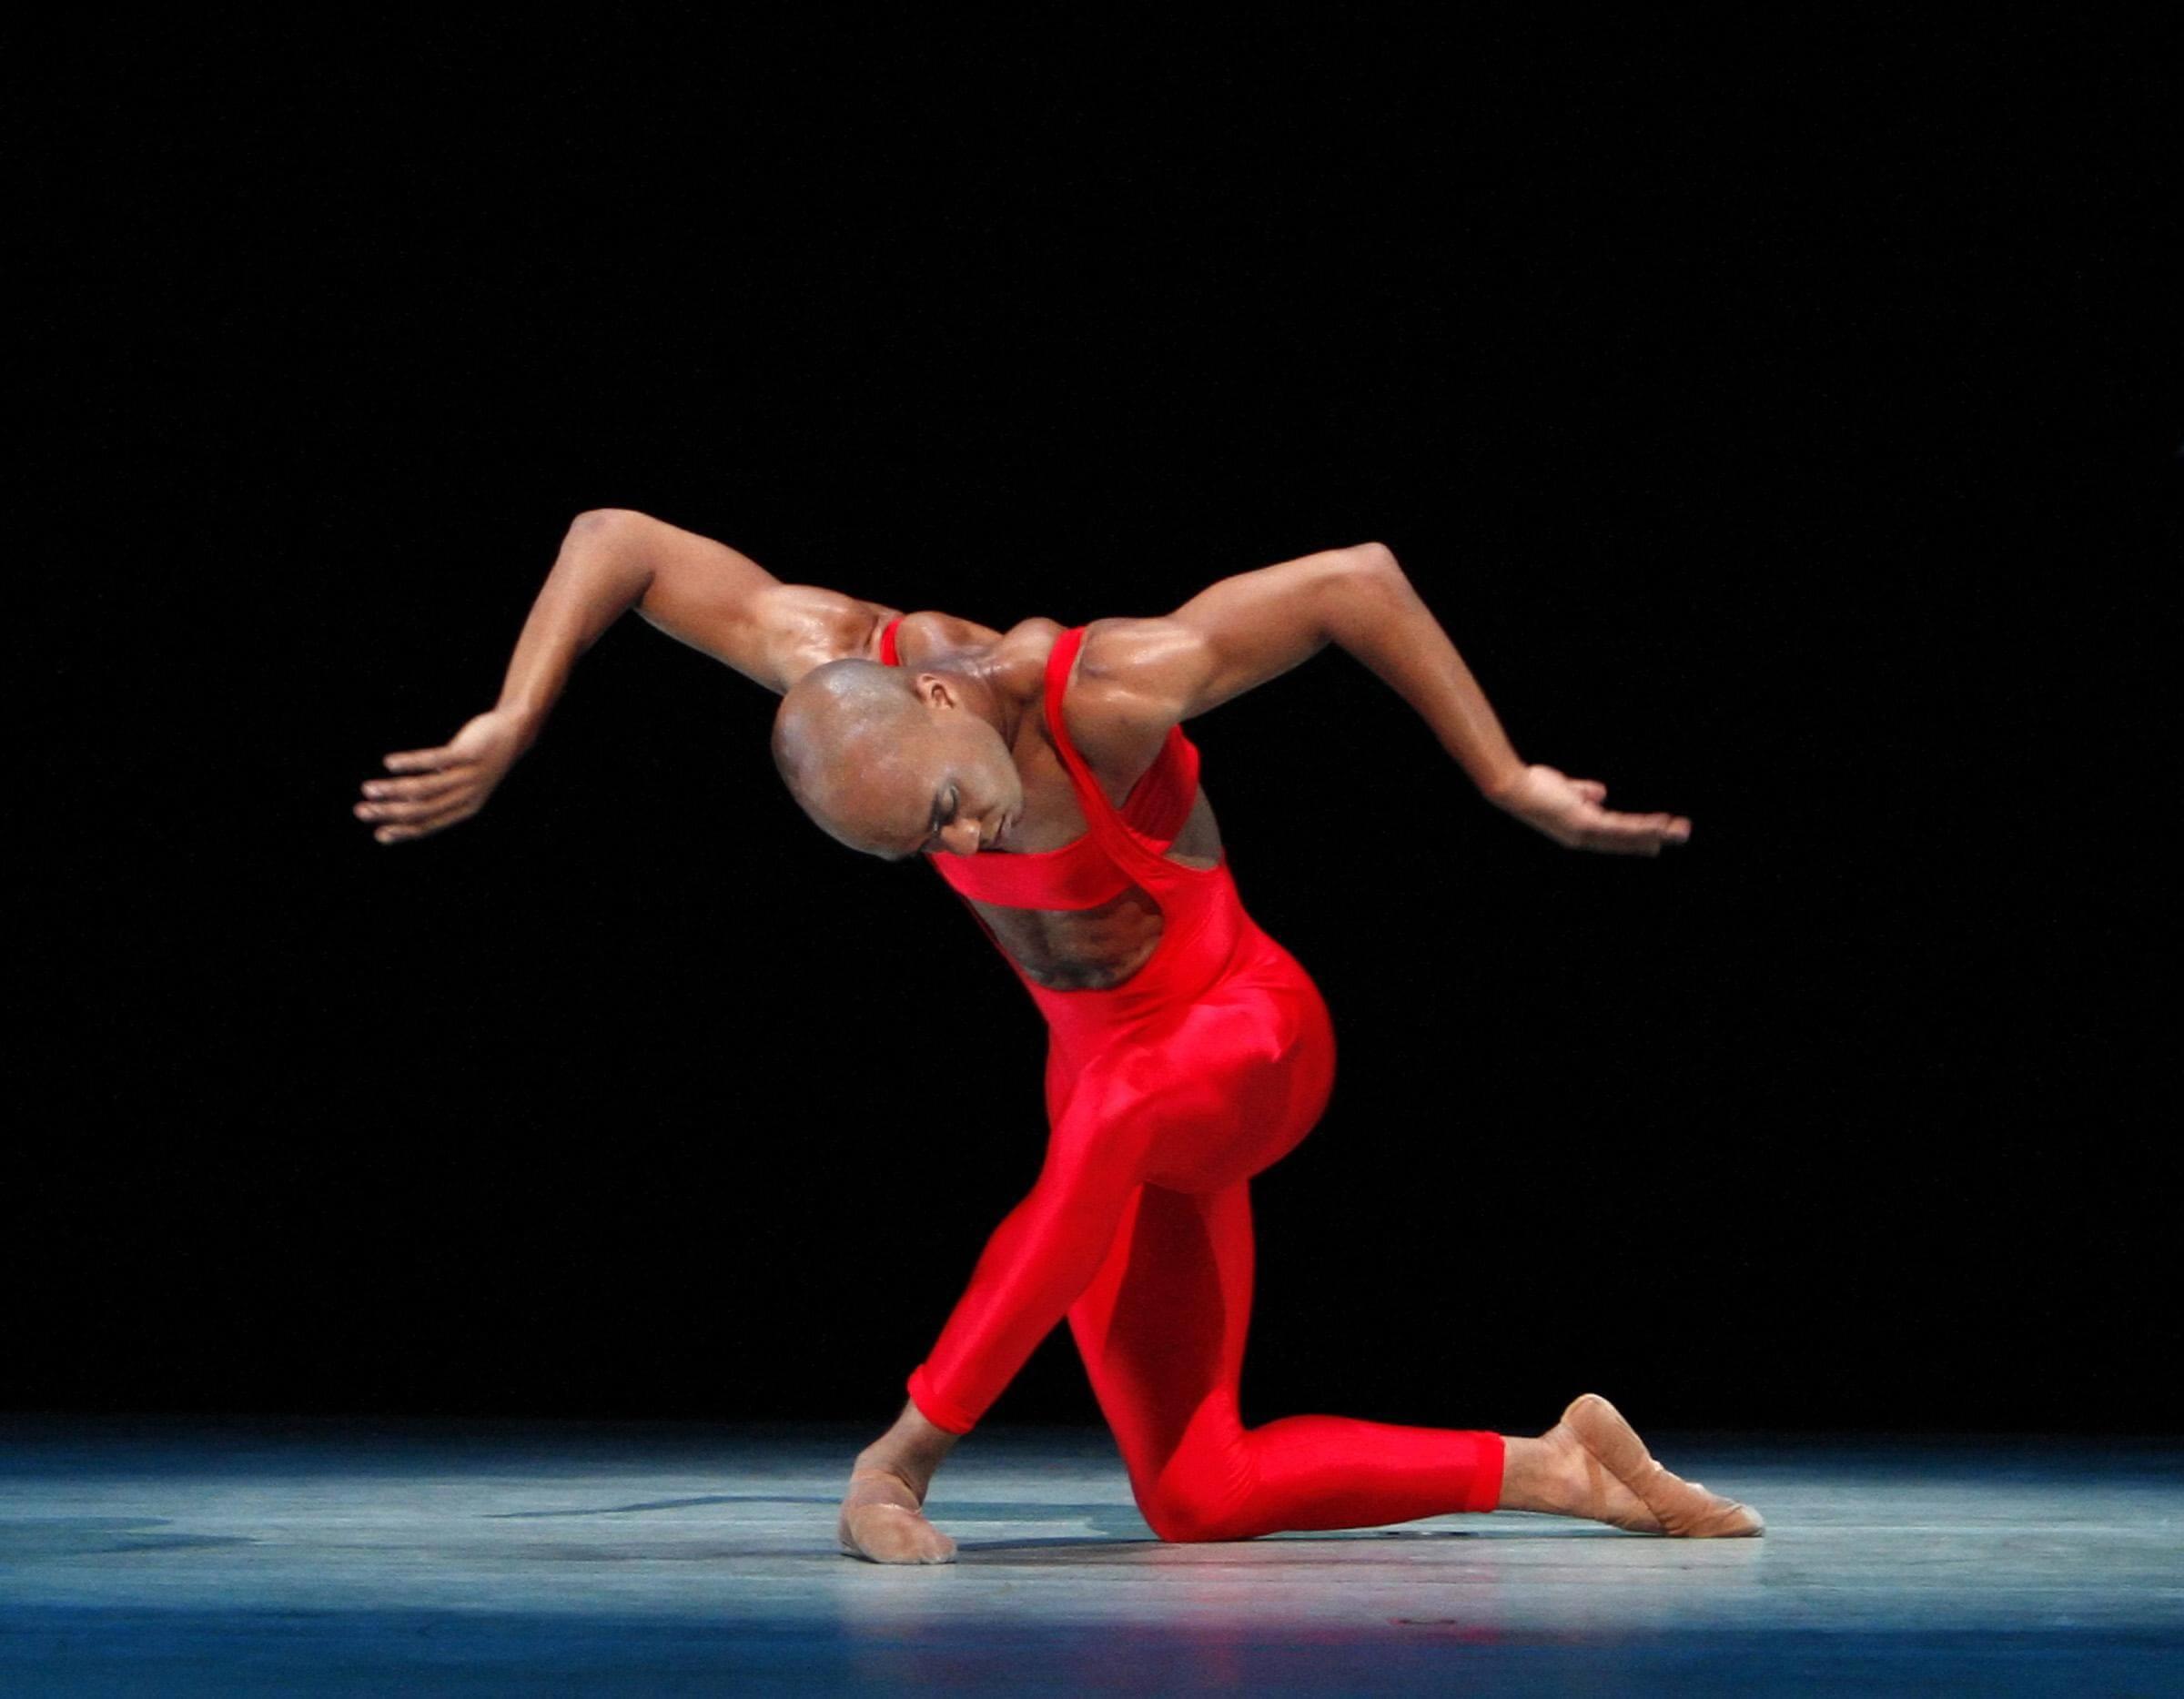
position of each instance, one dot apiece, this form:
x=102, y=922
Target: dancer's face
x=947, y=785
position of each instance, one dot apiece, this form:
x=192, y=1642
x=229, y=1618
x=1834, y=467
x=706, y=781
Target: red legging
x=1164, y=1095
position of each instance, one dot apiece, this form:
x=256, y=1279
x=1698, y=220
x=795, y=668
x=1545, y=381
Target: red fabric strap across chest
x=1081, y=874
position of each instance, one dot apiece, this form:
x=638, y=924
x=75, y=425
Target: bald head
x=891, y=762
x=849, y=732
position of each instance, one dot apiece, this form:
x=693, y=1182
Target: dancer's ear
x=935, y=691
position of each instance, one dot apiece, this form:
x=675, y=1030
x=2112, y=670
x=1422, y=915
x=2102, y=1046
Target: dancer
x=1044, y=773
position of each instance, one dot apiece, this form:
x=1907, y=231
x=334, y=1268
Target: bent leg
x=1036, y=1263
x=1162, y=1331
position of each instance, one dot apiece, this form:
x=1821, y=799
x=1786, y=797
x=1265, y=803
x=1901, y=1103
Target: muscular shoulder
x=806, y=626
x=809, y=627
x=1132, y=677
x=930, y=635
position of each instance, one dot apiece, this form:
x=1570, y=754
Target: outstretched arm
x=699, y=592
x=1141, y=676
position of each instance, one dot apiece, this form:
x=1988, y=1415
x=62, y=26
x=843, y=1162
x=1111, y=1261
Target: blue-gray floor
x=178, y=1557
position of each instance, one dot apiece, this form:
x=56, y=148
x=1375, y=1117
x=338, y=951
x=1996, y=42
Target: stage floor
x=178, y=1556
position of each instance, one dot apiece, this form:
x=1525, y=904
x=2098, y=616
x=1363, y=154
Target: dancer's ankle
x=1535, y=1476
x=913, y=1449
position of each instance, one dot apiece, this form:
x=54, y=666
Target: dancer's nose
x=961, y=835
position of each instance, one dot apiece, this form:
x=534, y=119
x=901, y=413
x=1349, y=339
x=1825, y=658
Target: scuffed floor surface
x=310, y=1556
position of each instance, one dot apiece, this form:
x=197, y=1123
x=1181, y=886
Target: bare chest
x=1090, y=949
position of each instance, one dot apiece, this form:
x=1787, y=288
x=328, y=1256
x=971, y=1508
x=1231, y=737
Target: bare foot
x=883, y=1520
x=1674, y=1506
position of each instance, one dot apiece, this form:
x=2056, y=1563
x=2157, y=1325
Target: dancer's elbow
x=604, y=524
x=1375, y=558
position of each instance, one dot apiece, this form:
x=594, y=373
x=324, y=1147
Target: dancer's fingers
x=425, y=759
x=1635, y=834
x=429, y=808
x=425, y=785
x=422, y=828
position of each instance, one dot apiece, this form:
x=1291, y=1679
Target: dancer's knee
x=1179, y=1525
x=1182, y=1512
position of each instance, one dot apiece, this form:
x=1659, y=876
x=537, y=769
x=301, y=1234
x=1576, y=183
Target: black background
x=1786, y=431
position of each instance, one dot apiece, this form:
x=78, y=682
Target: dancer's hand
x=1568, y=811
x=447, y=783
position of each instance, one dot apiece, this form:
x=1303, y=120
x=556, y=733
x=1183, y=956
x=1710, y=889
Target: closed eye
x=939, y=820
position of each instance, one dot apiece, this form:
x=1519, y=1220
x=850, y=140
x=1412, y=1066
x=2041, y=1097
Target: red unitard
x=1165, y=1094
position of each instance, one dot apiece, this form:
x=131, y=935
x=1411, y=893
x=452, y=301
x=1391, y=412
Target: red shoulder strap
x=888, y=654
x=1058, y=662
x=1158, y=804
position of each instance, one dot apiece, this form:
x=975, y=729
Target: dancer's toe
x=891, y=1534
x=883, y=1521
